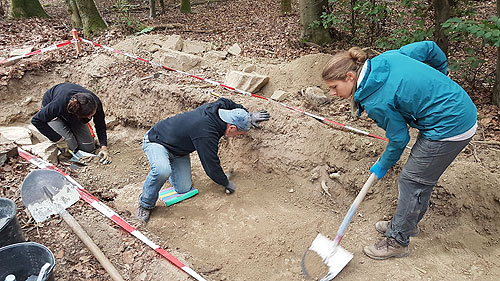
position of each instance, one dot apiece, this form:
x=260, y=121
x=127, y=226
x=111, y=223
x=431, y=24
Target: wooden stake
x=78, y=47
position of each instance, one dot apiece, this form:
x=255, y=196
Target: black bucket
x=10, y=230
x=24, y=260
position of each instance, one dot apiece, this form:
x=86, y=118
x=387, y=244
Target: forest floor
x=262, y=230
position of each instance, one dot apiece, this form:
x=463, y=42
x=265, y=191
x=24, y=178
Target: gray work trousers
x=78, y=137
x=427, y=162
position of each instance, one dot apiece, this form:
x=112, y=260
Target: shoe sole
x=402, y=255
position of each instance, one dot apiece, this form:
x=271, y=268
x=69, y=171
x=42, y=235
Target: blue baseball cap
x=238, y=117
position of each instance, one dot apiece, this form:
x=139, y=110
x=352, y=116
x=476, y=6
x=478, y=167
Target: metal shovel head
x=335, y=257
x=46, y=193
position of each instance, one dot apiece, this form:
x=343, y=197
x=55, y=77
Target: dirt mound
x=261, y=231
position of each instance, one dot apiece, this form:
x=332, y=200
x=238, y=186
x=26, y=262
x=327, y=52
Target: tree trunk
x=91, y=19
x=496, y=87
x=152, y=8
x=310, y=11
x=162, y=5
x=2, y=12
x=185, y=6
x=286, y=6
x=27, y=9
x=76, y=21
x=441, y=14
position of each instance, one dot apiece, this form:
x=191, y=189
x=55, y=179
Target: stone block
x=18, y=135
x=249, y=82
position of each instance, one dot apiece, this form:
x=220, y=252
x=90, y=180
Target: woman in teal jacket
x=397, y=89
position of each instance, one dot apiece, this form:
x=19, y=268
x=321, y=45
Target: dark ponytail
x=82, y=104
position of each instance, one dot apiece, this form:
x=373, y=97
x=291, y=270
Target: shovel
x=333, y=255
x=47, y=192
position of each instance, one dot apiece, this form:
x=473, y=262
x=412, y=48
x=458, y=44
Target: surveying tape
x=43, y=50
x=319, y=118
x=101, y=207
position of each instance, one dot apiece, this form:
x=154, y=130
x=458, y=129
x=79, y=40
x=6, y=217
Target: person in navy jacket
x=408, y=87
x=66, y=110
x=169, y=143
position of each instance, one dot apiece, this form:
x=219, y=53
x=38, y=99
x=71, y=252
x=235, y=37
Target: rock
x=111, y=122
x=250, y=82
x=177, y=60
x=21, y=51
x=249, y=68
x=316, y=95
x=7, y=151
x=173, y=42
x=279, y=95
x=234, y=50
x=19, y=135
x=196, y=47
x=26, y=101
x=35, y=133
x=46, y=150
x=217, y=55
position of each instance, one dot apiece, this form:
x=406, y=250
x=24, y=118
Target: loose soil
x=262, y=230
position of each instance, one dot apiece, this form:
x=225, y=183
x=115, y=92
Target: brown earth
x=262, y=230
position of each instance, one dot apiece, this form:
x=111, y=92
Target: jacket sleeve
x=100, y=125
x=43, y=117
x=228, y=104
x=207, y=148
x=427, y=52
x=396, y=130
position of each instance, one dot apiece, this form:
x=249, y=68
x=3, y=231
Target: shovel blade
x=335, y=257
x=46, y=193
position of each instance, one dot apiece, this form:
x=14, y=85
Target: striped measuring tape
x=43, y=50
x=319, y=118
x=101, y=207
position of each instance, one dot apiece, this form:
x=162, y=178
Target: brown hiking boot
x=386, y=248
x=382, y=226
x=142, y=214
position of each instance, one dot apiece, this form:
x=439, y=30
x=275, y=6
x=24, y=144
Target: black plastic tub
x=10, y=230
x=24, y=260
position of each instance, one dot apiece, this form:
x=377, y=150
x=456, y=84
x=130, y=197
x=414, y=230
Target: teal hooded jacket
x=410, y=87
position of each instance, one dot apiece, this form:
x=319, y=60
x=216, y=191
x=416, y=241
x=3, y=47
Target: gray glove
x=259, y=116
x=104, y=156
x=230, y=187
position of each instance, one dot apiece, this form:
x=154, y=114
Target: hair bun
x=357, y=54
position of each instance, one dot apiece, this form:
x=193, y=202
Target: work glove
x=230, y=187
x=104, y=156
x=378, y=170
x=259, y=116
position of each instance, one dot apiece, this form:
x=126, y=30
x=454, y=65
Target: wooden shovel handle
x=103, y=260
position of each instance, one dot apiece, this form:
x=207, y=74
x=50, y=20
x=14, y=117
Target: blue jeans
x=427, y=162
x=164, y=165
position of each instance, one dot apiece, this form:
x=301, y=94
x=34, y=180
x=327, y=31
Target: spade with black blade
x=46, y=193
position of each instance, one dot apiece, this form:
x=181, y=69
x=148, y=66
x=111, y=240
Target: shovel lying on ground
x=332, y=254
x=47, y=192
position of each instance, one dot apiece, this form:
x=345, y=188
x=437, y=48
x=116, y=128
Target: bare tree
x=84, y=14
x=310, y=11
x=27, y=9
x=152, y=8
x=286, y=6
x=185, y=6
x=441, y=14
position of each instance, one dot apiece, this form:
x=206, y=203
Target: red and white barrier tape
x=43, y=50
x=101, y=207
x=320, y=118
